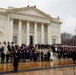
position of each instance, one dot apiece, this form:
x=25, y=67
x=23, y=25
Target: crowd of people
x=24, y=53
x=65, y=51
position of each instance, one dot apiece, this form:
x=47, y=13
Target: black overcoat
x=15, y=62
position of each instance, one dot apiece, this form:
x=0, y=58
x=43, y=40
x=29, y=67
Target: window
x=53, y=41
x=15, y=39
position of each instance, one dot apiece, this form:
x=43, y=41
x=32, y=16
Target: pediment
x=31, y=11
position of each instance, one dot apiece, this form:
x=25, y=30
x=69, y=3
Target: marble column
x=48, y=34
x=35, y=33
x=42, y=33
x=27, y=33
x=20, y=33
x=11, y=30
x=7, y=30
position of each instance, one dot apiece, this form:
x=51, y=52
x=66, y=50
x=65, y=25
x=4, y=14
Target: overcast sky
x=65, y=9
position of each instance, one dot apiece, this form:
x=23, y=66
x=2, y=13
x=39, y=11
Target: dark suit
x=74, y=56
x=48, y=54
x=15, y=63
x=2, y=57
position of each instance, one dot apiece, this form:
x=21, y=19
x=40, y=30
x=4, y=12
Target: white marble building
x=28, y=25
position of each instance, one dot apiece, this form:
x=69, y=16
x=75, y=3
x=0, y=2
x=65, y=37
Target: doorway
x=31, y=40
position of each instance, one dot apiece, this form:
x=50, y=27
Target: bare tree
x=74, y=40
x=66, y=38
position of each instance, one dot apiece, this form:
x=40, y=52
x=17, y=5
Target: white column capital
x=42, y=23
x=35, y=22
x=49, y=24
x=20, y=20
x=28, y=21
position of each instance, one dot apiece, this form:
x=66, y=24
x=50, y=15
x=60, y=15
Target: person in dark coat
x=2, y=57
x=24, y=56
x=45, y=56
x=15, y=63
x=2, y=49
x=35, y=56
x=9, y=48
x=11, y=56
x=27, y=55
x=7, y=57
x=48, y=56
x=74, y=56
x=20, y=56
x=42, y=56
x=53, y=48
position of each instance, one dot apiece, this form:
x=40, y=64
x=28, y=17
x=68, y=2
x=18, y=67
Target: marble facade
x=29, y=25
